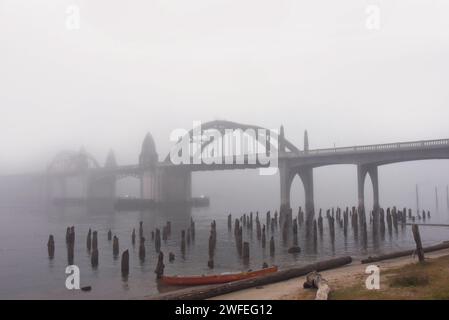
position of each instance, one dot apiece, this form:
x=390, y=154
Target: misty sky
x=156, y=65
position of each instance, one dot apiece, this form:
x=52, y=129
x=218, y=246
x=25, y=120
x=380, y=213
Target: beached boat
x=215, y=278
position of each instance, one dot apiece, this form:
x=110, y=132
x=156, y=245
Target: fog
x=154, y=66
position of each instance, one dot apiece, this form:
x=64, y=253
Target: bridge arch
x=67, y=161
x=221, y=126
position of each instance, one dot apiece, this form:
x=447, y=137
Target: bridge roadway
x=379, y=154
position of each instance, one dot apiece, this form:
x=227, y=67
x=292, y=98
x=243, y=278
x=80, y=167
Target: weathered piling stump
x=300, y=216
x=295, y=232
x=109, y=235
x=188, y=236
x=115, y=247
x=183, y=242
x=263, y=237
x=315, y=234
x=239, y=241
x=125, y=263
x=160, y=266
x=67, y=235
x=389, y=221
x=320, y=224
x=94, y=257
x=268, y=220
x=133, y=237
x=210, y=263
x=95, y=240
x=246, y=251
x=258, y=229
x=236, y=227
x=276, y=219
x=157, y=241
x=417, y=237
x=169, y=226
x=192, y=229
x=51, y=246
x=272, y=248
x=140, y=229
x=251, y=221
x=331, y=221
x=229, y=222
x=89, y=240
x=294, y=250
x=171, y=257
x=345, y=223
x=395, y=219
x=382, y=222
x=142, y=251
x=164, y=233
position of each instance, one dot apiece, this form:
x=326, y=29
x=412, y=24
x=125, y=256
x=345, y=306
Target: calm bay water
x=26, y=271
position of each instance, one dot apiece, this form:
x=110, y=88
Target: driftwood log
x=316, y=281
x=206, y=292
x=399, y=254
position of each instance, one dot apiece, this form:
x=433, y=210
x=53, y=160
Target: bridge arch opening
x=368, y=195
x=399, y=181
x=335, y=186
x=297, y=194
x=128, y=187
x=237, y=191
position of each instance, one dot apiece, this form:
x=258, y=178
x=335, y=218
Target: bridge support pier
x=172, y=185
x=306, y=175
x=362, y=171
x=286, y=178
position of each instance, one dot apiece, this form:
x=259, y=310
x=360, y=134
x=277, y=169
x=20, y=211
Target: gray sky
x=157, y=65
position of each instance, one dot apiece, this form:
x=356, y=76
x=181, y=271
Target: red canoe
x=216, y=278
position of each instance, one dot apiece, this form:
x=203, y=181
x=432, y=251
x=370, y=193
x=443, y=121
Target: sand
x=339, y=277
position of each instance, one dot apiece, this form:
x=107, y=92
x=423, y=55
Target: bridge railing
x=384, y=147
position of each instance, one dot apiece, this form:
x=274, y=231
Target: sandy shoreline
x=346, y=275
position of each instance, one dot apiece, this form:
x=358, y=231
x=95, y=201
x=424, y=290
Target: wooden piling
x=140, y=229
x=263, y=237
x=320, y=224
x=89, y=240
x=272, y=248
x=142, y=251
x=417, y=237
x=125, y=263
x=94, y=257
x=115, y=247
x=246, y=251
x=133, y=237
x=95, y=240
x=157, y=241
x=160, y=266
x=183, y=242
x=51, y=246
x=109, y=235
